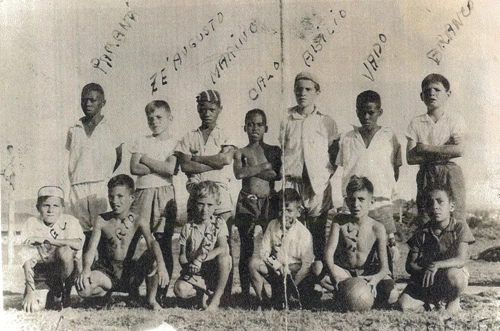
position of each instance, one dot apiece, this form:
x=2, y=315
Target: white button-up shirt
x=305, y=141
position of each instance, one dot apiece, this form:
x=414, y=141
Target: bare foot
x=214, y=305
x=453, y=307
x=393, y=296
x=154, y=306
x=204, y=301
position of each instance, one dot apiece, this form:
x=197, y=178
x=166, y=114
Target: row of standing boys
x=305, y=239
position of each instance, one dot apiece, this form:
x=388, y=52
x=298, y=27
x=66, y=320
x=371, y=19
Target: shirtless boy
x=357, y=246
x=113, y=232
x=258, y=165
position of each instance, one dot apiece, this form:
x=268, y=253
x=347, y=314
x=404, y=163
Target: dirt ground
x=481, y=304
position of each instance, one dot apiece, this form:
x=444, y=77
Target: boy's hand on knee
x=429, y=274
x=82, y=280
x=163, y=278
x=372, y=282
x=31, y=303
x=273, y=263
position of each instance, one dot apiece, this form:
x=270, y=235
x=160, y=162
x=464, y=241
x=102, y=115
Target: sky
x=251, y=56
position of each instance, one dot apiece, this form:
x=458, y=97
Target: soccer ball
x=356, y=294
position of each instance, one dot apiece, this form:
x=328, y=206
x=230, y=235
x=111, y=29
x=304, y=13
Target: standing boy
x=309, y=140
x=113, y=232
x=204, y=252
x=373, y=152
x=154, y=163
x=437, y=257
x=93, y=157
x=286, y=251
x=434, y=139
x=357, y=246
x=205, y=153
x=52, y=250
x=258, y=165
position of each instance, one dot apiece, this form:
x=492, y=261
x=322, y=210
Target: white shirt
x=375, y=162
x=67, y=227
x=422, y=129
x=156, y=149
x=305, y=141
x=290, y=246
x=91, y=159
x=193, y=144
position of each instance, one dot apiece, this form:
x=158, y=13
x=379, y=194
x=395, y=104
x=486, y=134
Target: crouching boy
x=115, y=271
x=51, y=253
x=437, y=256
x=204, y=250
x=357, y=247
x=286, y=251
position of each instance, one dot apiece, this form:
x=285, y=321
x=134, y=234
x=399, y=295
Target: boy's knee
x=254, y=265
x=457, y=278
x=66, y=254
x=183, y=289
x=85, y=293
x=225, y=261
x=316, y=268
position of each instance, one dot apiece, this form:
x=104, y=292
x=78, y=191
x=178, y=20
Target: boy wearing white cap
x=52, y=250
x=309, y=141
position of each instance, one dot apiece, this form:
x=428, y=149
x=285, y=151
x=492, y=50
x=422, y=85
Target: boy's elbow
x=411, y=159
x=460, y=150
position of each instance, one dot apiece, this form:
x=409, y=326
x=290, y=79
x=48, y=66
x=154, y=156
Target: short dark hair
x=435, y=78
x=358, y=184
x=368, y=96
x=122, y=180
x=289, y=195
x=92, y=87
x=256, y=111
x=438, y=187
x=155, y=104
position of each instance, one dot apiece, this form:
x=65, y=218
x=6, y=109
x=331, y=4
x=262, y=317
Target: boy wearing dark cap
x=309, y=141
x=52, y=250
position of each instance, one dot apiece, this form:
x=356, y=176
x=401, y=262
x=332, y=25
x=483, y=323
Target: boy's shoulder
x=108, y=216
x=343, y=218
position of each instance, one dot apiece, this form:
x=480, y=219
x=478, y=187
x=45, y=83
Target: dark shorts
x=45, y=274
x=128, y=274
x=204, y=280
x=252, y=210
x=436, y=292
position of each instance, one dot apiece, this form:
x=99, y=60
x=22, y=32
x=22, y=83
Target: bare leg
x=457, y=280
x=184, y=290
x=68, y=266
x=151, y=288
x=257, y=270
x=225, y=265
x=97, y=286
